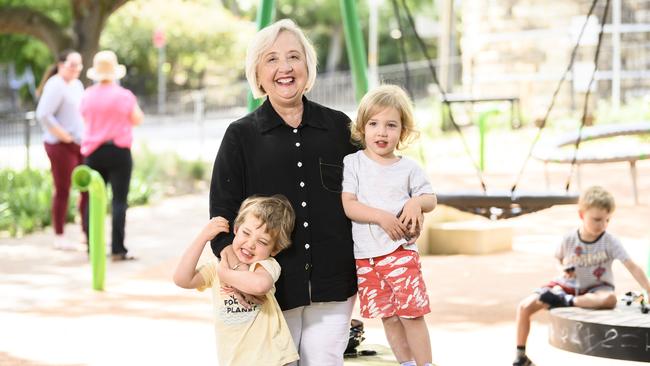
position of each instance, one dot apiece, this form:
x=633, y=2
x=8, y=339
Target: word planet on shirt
x=232, y=312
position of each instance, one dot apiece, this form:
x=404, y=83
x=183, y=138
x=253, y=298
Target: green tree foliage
x=57, y=24
x=389, y=47
x=206, y=39
x=25, y=50
x=322, y=21
x=205, y=43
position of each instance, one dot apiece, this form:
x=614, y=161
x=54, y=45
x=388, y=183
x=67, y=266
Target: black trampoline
x=504, y=204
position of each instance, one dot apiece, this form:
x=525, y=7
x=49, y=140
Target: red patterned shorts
x=392, y=284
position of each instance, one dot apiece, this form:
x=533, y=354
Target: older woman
x=60, y=94
x=110, y=112
x=295, y=147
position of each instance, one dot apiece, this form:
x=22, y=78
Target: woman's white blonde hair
x=264, y=39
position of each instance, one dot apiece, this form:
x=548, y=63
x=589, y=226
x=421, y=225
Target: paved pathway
x=50, y=316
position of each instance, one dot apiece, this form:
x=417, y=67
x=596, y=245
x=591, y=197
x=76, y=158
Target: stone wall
x=522, y=47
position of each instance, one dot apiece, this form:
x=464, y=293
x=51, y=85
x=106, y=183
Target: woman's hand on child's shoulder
x=215, y=226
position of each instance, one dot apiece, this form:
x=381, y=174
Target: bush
x=26, y=201
x=26, y=196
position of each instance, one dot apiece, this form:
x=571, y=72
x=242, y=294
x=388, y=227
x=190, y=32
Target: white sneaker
x=61, y=243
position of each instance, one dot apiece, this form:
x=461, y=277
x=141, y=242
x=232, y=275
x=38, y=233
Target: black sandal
x=122, y=257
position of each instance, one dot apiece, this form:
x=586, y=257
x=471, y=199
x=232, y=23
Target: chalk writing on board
x=600, y=339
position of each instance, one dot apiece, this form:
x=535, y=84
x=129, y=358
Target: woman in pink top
x=110, y=112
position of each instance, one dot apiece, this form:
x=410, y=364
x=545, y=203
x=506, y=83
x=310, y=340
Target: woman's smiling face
x=282, y=70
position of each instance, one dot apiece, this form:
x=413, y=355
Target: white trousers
x=321, y=331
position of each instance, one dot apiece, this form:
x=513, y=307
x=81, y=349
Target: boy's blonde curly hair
x=598, y=197
x=276, y=213
x=375, y=101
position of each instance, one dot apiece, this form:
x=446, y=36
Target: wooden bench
x=553, y=153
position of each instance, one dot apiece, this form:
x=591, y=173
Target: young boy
x=586, y=257
x=385, y=195
x=256, y=335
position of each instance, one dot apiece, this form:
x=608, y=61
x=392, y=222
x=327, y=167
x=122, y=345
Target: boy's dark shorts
x=572, y=291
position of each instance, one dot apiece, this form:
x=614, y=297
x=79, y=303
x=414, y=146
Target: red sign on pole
x=159, y=39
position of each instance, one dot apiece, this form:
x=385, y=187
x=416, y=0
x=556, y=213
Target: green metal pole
x=482, y=132
x=86, y=179
x=355, y=47
x=264, y=17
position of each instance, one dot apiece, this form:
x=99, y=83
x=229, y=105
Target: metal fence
x=334, y=89
x=18, y=133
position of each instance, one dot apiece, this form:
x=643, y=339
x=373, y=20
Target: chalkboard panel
x=622, y=333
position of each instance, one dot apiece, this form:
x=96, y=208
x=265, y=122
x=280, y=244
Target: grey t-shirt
x=385, y=187
x=592, y=260
x=60, y=105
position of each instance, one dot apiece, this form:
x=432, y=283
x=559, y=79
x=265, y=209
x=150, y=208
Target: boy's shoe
x=523, y=361
x=553, y=299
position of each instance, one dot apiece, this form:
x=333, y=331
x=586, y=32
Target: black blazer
x=261, y=155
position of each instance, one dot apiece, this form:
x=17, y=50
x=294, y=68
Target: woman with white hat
x=110, y=112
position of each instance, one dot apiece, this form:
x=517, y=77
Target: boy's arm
x=229, y=259
x=427, y=202
x=412, y=212
x=186, y=275
x=257, y=283
x=358, y=211
x=638, y=274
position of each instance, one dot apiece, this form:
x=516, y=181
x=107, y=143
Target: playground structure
x=86, y=179
x=621, y=153
x=620, y=333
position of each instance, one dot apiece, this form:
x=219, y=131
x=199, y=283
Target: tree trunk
x=89, y=21
x=87, y=25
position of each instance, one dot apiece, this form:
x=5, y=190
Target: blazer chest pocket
x=331, y=176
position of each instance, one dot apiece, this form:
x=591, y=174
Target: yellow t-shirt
x=255, y=336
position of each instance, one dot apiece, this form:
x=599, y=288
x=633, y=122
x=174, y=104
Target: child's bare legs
x=527, y=307
x=408, y=338
x=417, y=335
x=596, y=300
x=396, y=337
